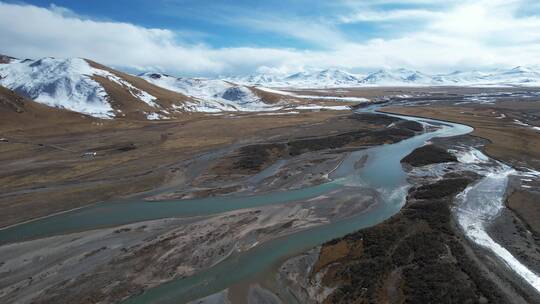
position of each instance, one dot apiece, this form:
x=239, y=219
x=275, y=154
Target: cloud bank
x=483, y=34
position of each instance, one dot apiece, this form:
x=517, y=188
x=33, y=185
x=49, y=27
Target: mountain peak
x=86, y=87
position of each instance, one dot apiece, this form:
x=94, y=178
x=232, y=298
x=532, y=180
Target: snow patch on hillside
x=211, y=95
x=520, y=123
x=320, y=97
x=135, y=92
x=321, y=107
x=58, y=83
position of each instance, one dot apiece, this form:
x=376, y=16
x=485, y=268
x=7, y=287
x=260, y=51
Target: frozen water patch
x=398, y=195
x=478, y=205
x=471, y=156
x=527, y=172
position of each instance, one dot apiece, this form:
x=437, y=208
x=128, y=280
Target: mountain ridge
x=517, y=76
x=90, y=88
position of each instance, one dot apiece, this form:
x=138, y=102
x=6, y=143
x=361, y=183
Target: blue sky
x=189, y=37
x=234, y=23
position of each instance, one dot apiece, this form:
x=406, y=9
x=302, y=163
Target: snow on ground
x=58, y=83
x=520, y=123
x=279, y=113
x=320, y=107
x=472, y=156
x=65, y=83
x=155, y=116
x=477, y=207
x=212, y=95
x=135, y=92
x=337, y=98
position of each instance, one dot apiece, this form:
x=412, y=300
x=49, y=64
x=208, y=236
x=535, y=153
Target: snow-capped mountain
x=58, y=83
x=328, y=78
x=519, y=76
x=210, y=95
x=398, y=76
x=86, y=87
x=305, y=79
x=258, y=79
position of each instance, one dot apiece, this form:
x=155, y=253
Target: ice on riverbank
x=471, y=156
x=479, y=205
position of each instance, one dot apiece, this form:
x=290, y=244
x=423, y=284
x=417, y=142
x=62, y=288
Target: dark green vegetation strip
x=414, y=257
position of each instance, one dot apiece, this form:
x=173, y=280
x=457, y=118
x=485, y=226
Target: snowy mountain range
x=306, y=79
x=86, y=87
x=518, y=76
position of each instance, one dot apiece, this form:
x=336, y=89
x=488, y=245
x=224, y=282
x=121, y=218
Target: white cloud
x=368, y=15
x=485, y=34
x=490, y=21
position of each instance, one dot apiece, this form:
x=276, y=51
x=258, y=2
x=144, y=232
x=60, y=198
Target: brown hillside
x=270, y=98
x=123, y=100
x=17, y=112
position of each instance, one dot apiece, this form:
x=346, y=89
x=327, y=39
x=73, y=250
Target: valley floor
x=240, y=154
x=234, y=168
x=56, y=160
x=422, y=254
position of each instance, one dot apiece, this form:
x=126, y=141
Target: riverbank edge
x=490, y=271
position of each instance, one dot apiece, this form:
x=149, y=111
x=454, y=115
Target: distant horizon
x=211, y=38
x=366, y=73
